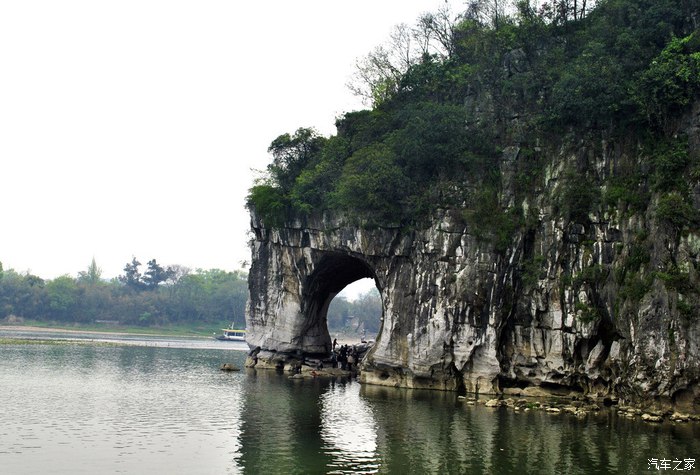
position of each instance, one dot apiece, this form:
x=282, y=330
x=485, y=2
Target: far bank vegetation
x=154, y=296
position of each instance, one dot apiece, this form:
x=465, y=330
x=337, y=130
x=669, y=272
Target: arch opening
x=334, y=272
x=355, y=314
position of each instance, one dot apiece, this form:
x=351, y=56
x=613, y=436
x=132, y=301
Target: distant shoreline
x=29, y=328
x=343, y=338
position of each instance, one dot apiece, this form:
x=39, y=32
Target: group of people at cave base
x=345, y=356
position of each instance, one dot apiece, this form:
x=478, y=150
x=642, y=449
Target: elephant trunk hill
x=553, y=311
x=521, y=244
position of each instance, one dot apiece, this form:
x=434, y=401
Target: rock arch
x=296, y=272
x=428, y=339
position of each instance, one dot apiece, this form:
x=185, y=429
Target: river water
x=151, y=405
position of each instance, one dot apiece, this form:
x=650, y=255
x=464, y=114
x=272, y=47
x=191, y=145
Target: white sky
x=130, y=127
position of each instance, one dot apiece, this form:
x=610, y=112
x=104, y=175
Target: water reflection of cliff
x=304, y=426
x=431, y=432
x=319, y=426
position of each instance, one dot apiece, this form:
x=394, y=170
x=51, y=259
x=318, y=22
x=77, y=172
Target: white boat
x=231, y=334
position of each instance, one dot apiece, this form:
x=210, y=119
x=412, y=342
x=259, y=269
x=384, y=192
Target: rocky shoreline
x=515, y=399
x=301, y=366
x=580, y=408
x=298, y=369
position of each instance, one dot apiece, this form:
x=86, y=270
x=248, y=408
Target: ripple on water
x=87, y=406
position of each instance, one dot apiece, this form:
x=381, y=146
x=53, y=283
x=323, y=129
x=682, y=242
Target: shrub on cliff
x=672, y=80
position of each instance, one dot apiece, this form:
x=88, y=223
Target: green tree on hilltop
x=291, y=154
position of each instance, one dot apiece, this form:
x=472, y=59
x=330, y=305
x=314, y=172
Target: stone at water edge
x=229, y=367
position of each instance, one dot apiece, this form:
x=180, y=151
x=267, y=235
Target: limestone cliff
x=569, y=305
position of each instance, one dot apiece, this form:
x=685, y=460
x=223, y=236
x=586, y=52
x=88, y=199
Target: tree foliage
x=671, y=81
x=160, y=296
x=132, y=277
x=351, y=316
x=291, y=154
x=371, y=180
x=450, y=92
x=91, y=276
x=150, y=280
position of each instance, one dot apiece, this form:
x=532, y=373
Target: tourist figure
x=351, y=359
x=343, y=357
x=254, y=354
x=335, y=343
x=299, y=365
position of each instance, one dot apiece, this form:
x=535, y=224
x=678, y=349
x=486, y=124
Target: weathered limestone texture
x=568, y=307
